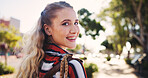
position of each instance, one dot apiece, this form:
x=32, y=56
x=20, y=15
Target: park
x=113, y=43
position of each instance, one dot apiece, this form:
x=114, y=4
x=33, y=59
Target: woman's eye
x=66, y=23
x=76, y=23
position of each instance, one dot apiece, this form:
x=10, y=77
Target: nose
x=74, y=29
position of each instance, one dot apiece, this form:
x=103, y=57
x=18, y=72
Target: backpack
x=63, y=66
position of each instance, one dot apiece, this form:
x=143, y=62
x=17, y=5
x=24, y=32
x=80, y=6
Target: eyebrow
x=69, y=20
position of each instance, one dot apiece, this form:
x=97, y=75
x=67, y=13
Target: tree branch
x=138, y=38
x=140, y=5
x=134, y=5
x=139, y=20
x=138, y=15
x=134, y=35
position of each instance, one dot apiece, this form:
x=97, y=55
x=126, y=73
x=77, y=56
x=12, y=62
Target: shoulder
x=76, y=65
x=76, y=62
x=76, y=69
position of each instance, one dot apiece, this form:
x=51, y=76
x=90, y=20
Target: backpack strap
x=63, y=66
x=52, y=71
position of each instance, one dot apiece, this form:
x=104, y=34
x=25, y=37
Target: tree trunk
x=145, y=47
x=128, y=55
x=6, y=56
x=4, y=48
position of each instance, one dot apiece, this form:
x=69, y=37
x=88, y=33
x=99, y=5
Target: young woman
x=57, y=30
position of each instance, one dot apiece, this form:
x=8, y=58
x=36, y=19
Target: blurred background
x=113, y=40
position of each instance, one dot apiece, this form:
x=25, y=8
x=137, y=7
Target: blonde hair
x=34, y=45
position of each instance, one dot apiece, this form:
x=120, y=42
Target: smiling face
x=64, y=29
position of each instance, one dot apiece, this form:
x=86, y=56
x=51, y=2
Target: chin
x=72, y=46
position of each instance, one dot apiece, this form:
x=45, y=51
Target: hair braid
x=64, y=64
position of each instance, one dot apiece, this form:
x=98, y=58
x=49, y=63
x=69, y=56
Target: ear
x=47, y=29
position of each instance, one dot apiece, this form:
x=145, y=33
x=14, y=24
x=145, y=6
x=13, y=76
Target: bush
x=128, y=61
x=83, y=58
x=9, y=70
x=90, y=69
x=108, y=58
x=6, y=69
x=1, y=68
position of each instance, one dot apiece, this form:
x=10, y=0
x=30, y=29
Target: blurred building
x=5, y=22
x=15, y=22
x=11, y=22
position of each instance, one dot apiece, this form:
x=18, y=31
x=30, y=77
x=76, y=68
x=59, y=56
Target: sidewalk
x=12, y=61
x=115, y=68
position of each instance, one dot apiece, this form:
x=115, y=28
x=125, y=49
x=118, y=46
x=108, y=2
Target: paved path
x=12, y=61
x=115, y=68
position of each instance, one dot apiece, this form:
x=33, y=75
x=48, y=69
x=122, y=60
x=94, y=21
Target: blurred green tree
x=109, y=48
x=130, y=18
x=9, y=38
x=91, y=26
x=108, y=45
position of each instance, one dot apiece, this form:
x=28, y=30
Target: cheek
x=61, y=32
x=78, y=29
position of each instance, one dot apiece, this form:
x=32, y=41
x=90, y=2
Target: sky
x=28, y=12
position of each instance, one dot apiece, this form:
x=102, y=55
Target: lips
x=71, y=38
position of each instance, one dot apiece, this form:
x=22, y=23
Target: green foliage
x=78, y=47
x=1, y=68
x=6, y=69
x=9, y=36
x=128, y=61
x=80, y=35
x=83, y=58
x=108, y=58
x=124, y=20
x=134, y=42
x=130, y=20
x=90, y=69
x=108, y=45
x=91, y=26
x=9, y=70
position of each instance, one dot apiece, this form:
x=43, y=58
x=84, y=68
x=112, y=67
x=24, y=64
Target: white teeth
x=72, y=38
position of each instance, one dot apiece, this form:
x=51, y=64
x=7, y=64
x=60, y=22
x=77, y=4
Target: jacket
x=53, y=56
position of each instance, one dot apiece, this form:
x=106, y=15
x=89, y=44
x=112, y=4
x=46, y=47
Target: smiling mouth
x=71, y=38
